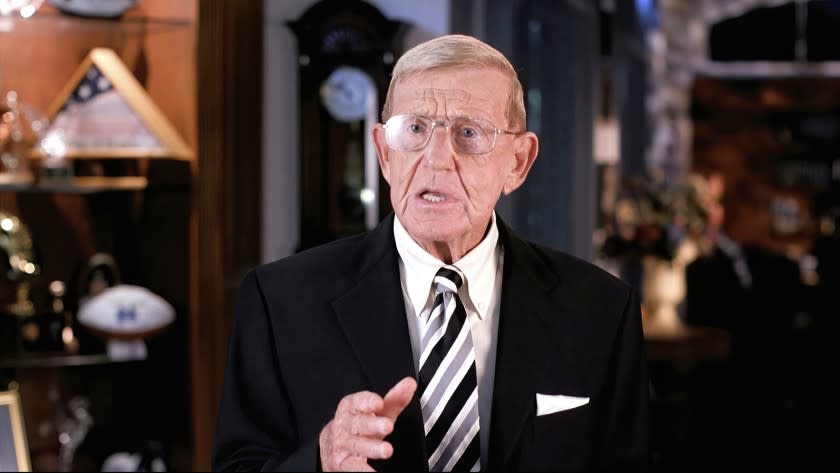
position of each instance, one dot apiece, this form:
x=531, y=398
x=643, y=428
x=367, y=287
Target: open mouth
x=432, y=197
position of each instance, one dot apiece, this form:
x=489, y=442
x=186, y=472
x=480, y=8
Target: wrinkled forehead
x=444, y=102
x=433, y=94
x=453, y=93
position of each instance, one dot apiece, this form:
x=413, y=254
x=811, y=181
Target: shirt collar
x=728, y=246
x=478, y=265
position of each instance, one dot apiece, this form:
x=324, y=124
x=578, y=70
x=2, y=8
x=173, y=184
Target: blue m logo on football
x=126, y=314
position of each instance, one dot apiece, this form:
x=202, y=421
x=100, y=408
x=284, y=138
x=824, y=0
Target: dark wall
x=554, y=45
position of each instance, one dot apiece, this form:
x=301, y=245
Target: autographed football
x=126, y=312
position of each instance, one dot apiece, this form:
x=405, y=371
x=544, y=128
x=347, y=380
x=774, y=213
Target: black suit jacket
x=743, y=415
x=330, y=321
x=759, y=317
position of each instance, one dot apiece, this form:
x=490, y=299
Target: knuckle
x=338, y=424
x=358, y=425
x=352, y=402
x=335, y=432
x=342, y=439
x=343, y=405
x=354, y=447
x=325, y=436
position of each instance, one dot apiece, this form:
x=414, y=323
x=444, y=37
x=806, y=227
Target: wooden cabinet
x=193, y=232
x=146, y=228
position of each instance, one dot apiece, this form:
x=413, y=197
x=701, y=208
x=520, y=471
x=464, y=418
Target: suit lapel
x=372, y=315
x=522, y=345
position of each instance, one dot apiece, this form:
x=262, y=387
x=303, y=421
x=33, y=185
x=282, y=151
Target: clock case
x=331, y=34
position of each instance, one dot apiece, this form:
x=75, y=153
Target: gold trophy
x=16, y=242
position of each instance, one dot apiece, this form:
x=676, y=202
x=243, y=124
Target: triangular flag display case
x=104, y=112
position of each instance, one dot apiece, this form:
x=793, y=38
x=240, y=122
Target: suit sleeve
x=255, y=429
x=625, y=436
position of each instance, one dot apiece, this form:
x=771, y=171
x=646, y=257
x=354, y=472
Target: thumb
x=398, y=397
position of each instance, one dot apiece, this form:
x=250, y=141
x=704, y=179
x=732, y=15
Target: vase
x=663, y=289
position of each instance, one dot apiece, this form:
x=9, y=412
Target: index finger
x=397, y=398
x=364, y=402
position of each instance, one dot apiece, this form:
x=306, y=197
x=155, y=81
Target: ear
x=526, y=147
x=382, y=151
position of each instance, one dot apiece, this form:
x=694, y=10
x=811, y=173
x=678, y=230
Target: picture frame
x=14, y=450
x=104, y=112
x=787, y=216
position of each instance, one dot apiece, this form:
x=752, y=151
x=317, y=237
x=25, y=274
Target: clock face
x=346, y=93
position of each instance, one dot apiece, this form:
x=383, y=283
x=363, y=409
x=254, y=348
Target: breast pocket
x=558, y=441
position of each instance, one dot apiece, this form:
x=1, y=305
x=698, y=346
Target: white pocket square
x=551, y=403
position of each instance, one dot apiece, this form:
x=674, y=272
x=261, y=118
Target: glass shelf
x=80, y=185
x=59, y=22
x=58, y=360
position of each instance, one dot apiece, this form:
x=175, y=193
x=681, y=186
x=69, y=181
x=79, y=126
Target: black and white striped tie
x=448, y=383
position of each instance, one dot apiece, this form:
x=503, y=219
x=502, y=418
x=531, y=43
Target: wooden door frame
x=225, y=221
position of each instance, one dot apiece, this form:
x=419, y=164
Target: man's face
x=444, y=197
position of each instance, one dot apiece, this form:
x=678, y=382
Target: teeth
x=432, y=197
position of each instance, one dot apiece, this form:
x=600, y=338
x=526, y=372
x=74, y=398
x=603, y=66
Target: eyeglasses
x=468, y=135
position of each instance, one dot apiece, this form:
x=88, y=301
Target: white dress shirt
x=480, y=294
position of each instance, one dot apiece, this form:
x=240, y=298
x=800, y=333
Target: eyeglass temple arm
x=510, y=132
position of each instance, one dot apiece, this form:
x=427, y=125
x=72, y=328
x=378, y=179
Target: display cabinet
x=79, y=405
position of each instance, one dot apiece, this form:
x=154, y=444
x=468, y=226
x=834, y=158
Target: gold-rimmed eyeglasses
x=469, y=135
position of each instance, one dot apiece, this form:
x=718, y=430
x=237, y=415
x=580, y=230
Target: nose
x=439, y=153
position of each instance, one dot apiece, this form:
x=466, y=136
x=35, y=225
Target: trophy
x=16, y=243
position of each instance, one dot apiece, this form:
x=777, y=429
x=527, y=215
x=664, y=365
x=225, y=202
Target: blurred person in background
x=754, y=294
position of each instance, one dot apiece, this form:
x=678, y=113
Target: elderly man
x=439, y=340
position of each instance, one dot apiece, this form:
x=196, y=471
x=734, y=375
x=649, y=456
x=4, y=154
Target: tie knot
x=448, y=279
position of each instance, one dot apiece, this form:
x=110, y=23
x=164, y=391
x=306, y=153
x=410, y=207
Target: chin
x=439, y=229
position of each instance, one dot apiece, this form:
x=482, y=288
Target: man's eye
x=468, y=132
x=416, y=128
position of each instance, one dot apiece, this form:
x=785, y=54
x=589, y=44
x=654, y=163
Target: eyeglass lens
x=413, y=132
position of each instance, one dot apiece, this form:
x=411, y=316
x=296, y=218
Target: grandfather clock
x=346, y=51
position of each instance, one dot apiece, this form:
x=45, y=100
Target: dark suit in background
x=820, y=362
x=331, y=321
x=743, y=416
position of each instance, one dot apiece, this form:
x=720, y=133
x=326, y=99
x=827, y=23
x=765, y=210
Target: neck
x=451, y=251
x=446, y=252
